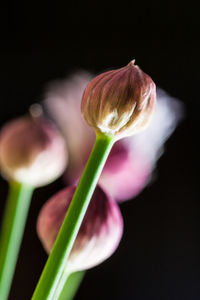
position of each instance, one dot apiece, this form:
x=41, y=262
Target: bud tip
x=132, y=63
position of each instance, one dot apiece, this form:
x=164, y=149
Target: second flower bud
x=99, y=234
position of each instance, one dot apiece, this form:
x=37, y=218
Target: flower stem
x=16, y=211
x=63, y=279
x=57, y=260
x=71, y=285
x=68, y=285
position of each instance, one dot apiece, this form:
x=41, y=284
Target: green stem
x=68, y=285
x=71, y=285
x=58, y=258
x=16, y=211
x=63, y=279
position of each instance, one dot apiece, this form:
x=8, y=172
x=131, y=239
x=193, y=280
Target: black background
x=159, y=256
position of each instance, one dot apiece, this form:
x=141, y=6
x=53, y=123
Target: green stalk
x=71, y=285
x=14, y=220
x=63, y=279
x=57, y=260
x=68, y=285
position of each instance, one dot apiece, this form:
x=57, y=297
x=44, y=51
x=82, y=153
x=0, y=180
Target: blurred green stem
x=71, y=285
x=68, y=285
x=14, y=220
x=57, y=260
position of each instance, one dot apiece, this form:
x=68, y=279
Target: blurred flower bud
x=126, y=172
x=100, y=232
x=119, y=103
x=32, y=151
x=132, y=160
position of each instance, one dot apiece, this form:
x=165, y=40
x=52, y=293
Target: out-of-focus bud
x=119, y=103
x=32, y=151
x=126, y=172
x=99, y=234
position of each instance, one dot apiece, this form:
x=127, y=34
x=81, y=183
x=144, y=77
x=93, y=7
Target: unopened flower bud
x=99, y=234
x=32, y=151
x=132, y=160
x=121, y=102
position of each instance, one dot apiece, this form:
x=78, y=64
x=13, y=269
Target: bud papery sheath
x=99, y=234
x=119, y=103
x=32, y=151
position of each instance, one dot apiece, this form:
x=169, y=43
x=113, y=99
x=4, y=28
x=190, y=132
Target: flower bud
x=133, y=159
x=119, y=102
x=32, y=151
x=99, y=234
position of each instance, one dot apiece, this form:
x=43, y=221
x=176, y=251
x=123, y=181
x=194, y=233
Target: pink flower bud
x=32, y=151
x=132, y=160
x=119, y=102
x=100, y=232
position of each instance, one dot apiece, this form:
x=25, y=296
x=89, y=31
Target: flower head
x=119, y=103
x=32, y=151
x=99, y=234
x=132, y=160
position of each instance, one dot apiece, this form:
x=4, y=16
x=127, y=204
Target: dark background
x=159, y=256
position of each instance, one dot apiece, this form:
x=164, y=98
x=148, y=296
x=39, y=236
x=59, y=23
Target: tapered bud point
x=121, y=102
x=32, y=151
x=100, y=232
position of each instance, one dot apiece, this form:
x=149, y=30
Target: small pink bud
x=32, y=151
x=119, y=102
x=100, y=232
